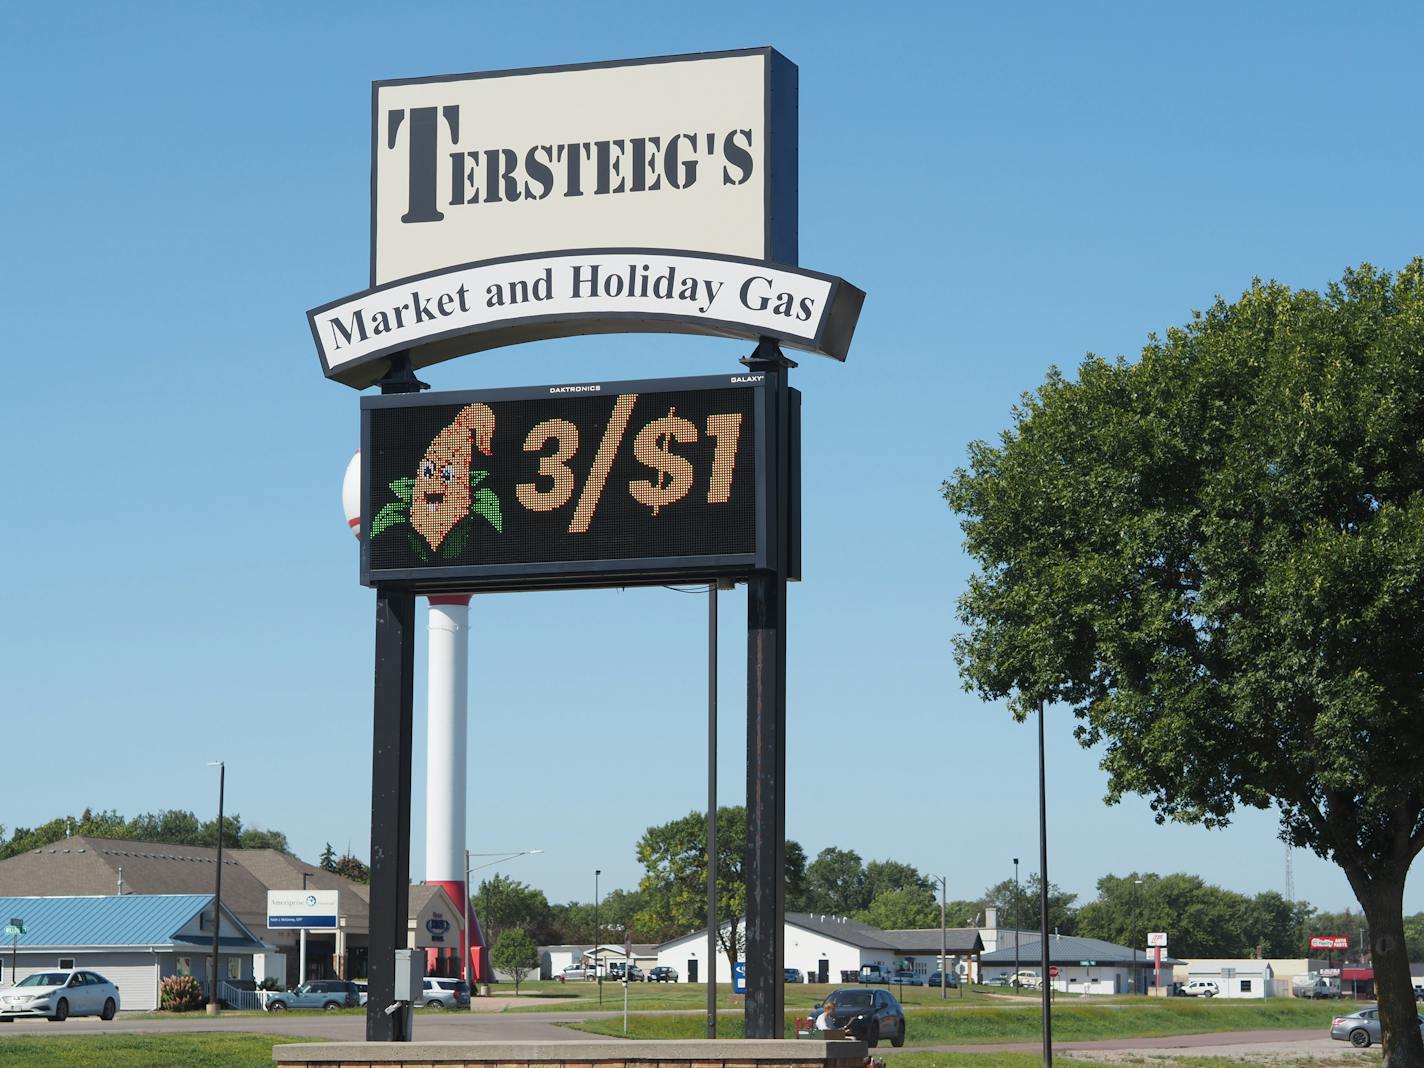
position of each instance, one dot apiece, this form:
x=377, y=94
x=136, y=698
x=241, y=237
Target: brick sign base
x=618, y=1053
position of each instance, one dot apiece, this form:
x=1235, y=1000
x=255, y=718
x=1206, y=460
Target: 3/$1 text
x=536, y=172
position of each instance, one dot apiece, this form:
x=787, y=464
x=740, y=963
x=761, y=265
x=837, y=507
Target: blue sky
x=1012, y=188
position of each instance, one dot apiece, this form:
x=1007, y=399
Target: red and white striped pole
x=446, y=769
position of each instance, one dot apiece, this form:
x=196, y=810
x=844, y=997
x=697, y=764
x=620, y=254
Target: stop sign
x=1053, y=971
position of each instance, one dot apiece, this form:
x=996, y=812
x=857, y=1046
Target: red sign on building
x=1329, y=942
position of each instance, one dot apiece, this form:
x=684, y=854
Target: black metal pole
x=712, y=809
x=392, y=719
x=597, y=937
x=1017, y=921
x=1045, y=986
x=213, y=1002
x=766, y=728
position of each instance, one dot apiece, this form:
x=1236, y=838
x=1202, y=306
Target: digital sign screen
x=591, y=484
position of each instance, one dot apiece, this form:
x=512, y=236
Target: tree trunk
x=1382, y=898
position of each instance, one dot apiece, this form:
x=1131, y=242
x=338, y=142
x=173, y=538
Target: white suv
x=1201, y=988
x=445, y=993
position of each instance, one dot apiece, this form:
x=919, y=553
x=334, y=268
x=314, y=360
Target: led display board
x=602, y=483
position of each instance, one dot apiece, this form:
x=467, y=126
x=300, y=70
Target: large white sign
x=480, y=306
x=1156, y=938
x=692, y=152
x=302, y=908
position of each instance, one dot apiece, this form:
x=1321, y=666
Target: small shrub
x=270, y=983
x=180, y=993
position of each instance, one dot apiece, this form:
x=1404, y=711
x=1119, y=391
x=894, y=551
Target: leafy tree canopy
x=174, y=826
x=1214, y=556
x=674, y=857
x=515, y=954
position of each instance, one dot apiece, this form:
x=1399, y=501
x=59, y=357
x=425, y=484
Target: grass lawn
x=976, y=1023
x=208, y=1050
x=652, y=997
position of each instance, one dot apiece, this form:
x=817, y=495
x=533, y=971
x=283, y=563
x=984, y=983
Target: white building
x=1083, y=965
x=832, y=949
x=1238, y=977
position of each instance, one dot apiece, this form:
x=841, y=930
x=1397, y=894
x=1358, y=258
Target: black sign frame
x=631, y=571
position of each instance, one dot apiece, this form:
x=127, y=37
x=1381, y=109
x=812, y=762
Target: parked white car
x=576, y=971
x=1201, y=988
x=60, y=995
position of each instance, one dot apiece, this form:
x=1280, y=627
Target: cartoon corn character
x=446, y=490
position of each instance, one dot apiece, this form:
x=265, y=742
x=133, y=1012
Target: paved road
x=544, y=1027
x=336, y=1027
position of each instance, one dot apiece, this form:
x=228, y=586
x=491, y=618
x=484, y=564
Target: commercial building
x=1084, y=965
x=83, y=866
x=135, y=941
x=826, y=948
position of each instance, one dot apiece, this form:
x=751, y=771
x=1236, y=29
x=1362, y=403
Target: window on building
x=66, y=962
x=1245, y=986
x=234, y=967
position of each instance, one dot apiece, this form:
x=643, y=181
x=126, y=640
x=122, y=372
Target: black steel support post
x=712, y=810
x=766, y=731
x=392, y=720
x=390, y=810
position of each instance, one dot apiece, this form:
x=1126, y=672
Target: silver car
x=1362, y=1028
x=59, y=995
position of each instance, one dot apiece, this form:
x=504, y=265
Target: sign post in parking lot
x=677, y=176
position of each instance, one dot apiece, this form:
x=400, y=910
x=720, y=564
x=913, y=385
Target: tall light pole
x=597, y=936
x=217, y=894
x=500, y=858
x=1016, y=921
x=943, y=881
x=1136, y=922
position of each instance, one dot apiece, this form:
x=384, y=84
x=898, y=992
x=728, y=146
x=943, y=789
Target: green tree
x=909, y=908
x=1019, y=907
x=1213, y=557
x=1414, y=935
x=503, y=903
x=674, y=858
x=351, y=867
x=835, y=883
x=885, y=875
x=328, y=858
x=515, y=954
x=254, y=838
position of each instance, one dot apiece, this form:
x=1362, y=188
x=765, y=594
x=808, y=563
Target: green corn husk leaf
x=454, y=544
x=391, y=515
x=486, y=504
x=476, y=477
x=417, y=545
x=403, y=488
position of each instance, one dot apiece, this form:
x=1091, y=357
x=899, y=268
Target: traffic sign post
x=14, y=929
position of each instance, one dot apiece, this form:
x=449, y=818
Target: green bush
x=180, y=993
x=270, y=983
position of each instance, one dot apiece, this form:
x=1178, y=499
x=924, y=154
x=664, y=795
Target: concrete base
x=580, y=1053
x=214, y=1008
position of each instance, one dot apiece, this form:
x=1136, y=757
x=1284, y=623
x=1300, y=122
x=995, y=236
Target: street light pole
x=1136, y=922
x=500, y=858
x=213, y=1005
x=597, y=936
x=1016, y=922
x=943, y=940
